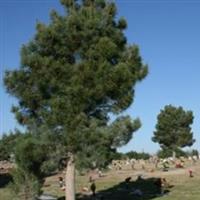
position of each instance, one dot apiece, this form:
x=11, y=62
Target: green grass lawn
x=113, y=187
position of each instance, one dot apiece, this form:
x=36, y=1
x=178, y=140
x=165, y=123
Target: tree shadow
x=5, y=179
x=141, y=189
x=144, y=189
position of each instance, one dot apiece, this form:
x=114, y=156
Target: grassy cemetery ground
x=113, y=187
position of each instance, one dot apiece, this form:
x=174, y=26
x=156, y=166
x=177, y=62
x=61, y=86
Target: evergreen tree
x=25, y=186
x=138, y=155
x=168, y=152
x=36, y=156
x=173, y=128
x=7, y=145
x=75, y=72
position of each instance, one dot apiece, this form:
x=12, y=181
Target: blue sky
x=168, y=35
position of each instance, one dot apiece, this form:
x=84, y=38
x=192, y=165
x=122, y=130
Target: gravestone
x=47, y=197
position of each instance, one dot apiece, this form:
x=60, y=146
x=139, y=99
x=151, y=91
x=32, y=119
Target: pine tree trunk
x=70, y=179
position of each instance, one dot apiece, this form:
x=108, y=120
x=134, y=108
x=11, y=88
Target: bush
x=30, y=155
x=8, y=144
x=25, y=186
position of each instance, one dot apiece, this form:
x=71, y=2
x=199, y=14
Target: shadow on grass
x=146, y=189
x=5, y=179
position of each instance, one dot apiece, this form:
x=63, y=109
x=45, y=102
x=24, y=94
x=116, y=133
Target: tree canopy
x=173, y=128
x=74, y=72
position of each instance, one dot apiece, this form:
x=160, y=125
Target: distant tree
x=119, y=156
x=75, y=72
x=193, y=152
x=166, y=152
x=173, y=128
x=137, y=155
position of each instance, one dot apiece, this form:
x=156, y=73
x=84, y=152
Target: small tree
x=25, y=186
x=36, y=156
x=75, y=72
x=7, y=145
x=173, y=128
x=30, y=155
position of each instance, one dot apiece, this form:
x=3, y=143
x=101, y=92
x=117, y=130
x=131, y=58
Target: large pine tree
x=75, y=72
